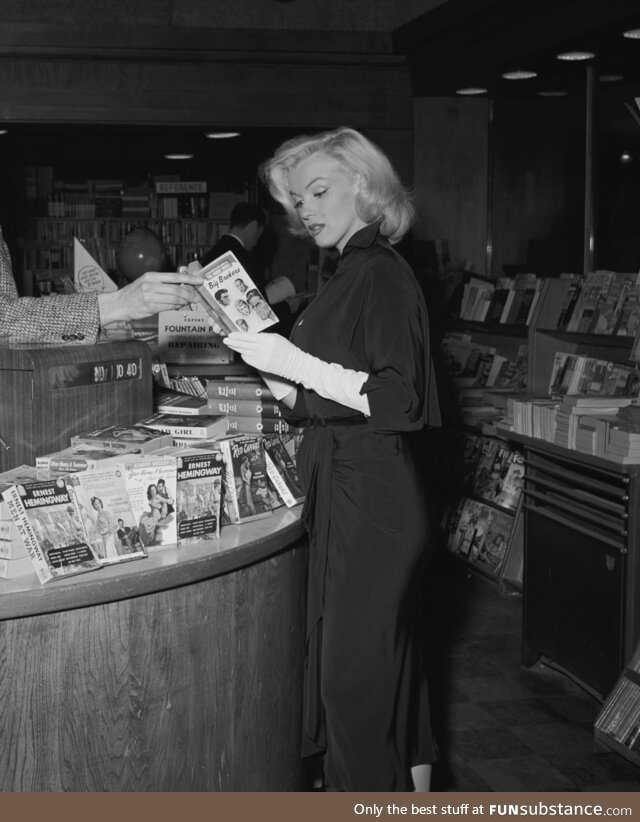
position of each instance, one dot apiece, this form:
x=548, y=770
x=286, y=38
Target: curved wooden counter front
x=179, y=672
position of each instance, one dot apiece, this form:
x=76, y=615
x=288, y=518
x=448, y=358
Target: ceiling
x=448, y=44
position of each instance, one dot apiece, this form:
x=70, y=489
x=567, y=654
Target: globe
x=139, y=251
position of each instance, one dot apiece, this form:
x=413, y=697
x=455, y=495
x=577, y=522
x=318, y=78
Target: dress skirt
x=366, y=697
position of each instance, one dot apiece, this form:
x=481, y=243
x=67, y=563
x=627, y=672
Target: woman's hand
x=149, y=294
x=266, y=352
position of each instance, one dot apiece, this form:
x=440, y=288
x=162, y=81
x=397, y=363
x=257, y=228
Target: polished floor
x=501, y=727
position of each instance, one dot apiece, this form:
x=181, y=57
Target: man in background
x=246, y=224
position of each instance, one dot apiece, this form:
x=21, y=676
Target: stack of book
x=531, y=416
x=249, y=406
x=575, y=419
x=622, y=436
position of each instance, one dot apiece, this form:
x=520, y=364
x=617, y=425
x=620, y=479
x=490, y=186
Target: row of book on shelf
x=505, y=300
x=592, y=406
x=117, y=493
x=484, y=488
x=598, y=302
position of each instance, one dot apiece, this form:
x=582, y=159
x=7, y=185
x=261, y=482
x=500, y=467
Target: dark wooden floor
x=501, y=727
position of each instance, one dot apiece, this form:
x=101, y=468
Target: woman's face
x=324, y=196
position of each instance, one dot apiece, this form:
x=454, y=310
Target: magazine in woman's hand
x=232, y=298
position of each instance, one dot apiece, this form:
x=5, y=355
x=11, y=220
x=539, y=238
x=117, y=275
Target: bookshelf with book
x=46, y=256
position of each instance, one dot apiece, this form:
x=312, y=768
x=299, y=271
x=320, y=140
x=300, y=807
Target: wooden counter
x=179, y=672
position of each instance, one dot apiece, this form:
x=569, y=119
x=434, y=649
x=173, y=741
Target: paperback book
x=202, y=426
x=130, y=439
x=151, y=486
x=246, y=487
x=49, y=523
x=282, y=471
x=199, y=493
x=81, y=457
x=183, y=404
x=232, y=298
x=107, y=515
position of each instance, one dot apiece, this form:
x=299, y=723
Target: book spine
x=232, y=390
x=258, y=425
x=245, y=408
x=27, y=534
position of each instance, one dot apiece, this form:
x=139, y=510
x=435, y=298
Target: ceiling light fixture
x=552, y=93
x=632, y=34
x=222, y=135
x=519, y=74
x=470, y=91
x=575, y=55
x=4, y=131
x=178, y=156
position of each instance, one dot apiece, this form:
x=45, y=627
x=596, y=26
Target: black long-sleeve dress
x=366, y=700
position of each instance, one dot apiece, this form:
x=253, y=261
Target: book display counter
x=179, y=673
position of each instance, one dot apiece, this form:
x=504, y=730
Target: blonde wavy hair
x=381, y=198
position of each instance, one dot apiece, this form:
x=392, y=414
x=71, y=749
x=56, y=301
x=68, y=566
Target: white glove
x=279, y=388
x=276, y=355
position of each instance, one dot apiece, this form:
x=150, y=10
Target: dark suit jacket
x=230, y=243
x=63, y=319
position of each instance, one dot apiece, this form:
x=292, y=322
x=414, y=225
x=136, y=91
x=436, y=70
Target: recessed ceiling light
x=610, y=78
x=467, y=92
x=632, y=34
x=4, y=131
x=552, y=93
x=575, y=55
x=626, y=157
x=178, y=156
x=519, y=75
x=222, y=135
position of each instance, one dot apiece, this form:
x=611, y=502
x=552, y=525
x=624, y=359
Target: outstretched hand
x=149, y=294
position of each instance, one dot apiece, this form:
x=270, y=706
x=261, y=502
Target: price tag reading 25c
x=95, y=373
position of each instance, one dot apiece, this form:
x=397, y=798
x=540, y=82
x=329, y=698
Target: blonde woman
x=357, y=373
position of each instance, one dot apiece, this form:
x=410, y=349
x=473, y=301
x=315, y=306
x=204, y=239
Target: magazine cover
x=246, y=488
x=231, y=296
x=199, y=492
x=107, y=515
x=490, y=541
x=481, y=535
x=281, y=471
x=488, y=466
x=151, y=485
x=508, y=490
x=48, y=521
